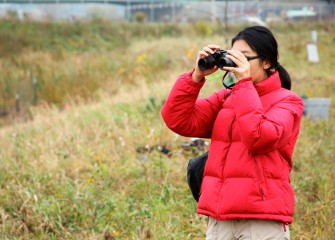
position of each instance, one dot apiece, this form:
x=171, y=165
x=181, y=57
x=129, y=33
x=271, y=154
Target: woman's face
x=257, y=67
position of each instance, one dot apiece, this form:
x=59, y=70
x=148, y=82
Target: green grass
x=73, y=169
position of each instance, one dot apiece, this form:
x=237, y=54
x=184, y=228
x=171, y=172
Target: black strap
x=227, y=87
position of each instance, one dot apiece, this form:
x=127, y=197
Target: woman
x=246, y=190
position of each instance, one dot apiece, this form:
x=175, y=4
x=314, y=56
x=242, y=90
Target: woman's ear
x=266, y=64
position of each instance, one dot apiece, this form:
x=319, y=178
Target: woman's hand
x=242, y=70
x=198, y=74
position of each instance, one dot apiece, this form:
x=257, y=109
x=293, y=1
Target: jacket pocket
x=260, y=177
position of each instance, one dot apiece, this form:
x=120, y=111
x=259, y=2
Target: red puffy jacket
x=253, y=130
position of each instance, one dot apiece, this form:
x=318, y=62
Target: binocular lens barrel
x=206, y=63
x=225, y=62
x=218, y=58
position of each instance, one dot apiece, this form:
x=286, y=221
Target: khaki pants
x=246, y=229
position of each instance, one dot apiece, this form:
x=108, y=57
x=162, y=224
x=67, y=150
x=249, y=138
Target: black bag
x=195, y=171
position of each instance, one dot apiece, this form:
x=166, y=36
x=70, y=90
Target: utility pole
x=152, y=11
x=226, y=16
x=213, y=8
x=128, y=11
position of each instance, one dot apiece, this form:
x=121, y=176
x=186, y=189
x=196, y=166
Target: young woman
x=246, y=190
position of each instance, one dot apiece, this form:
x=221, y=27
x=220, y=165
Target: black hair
x=262, y=41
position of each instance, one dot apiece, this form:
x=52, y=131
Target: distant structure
x=255, y=11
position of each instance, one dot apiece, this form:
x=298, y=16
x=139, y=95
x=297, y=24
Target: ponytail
x=285, y=78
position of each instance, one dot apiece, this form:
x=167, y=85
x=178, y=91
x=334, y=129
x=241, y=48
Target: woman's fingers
x=242, y=68
x=229, y=69
x=208, y=50
x=213, y=47
x=204, y=52
x=237, y=56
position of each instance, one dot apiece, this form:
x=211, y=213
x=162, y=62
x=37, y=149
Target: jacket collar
x=270, y=84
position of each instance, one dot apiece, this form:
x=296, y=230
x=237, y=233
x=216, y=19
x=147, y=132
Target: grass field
x=82, y=160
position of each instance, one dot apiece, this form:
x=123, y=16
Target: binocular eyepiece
x=218, y=58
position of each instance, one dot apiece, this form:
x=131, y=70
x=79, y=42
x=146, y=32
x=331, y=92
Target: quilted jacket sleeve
x=265, y=131
x=186, y=114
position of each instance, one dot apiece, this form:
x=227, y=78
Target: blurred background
x=169, y=11
x=84, y=152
